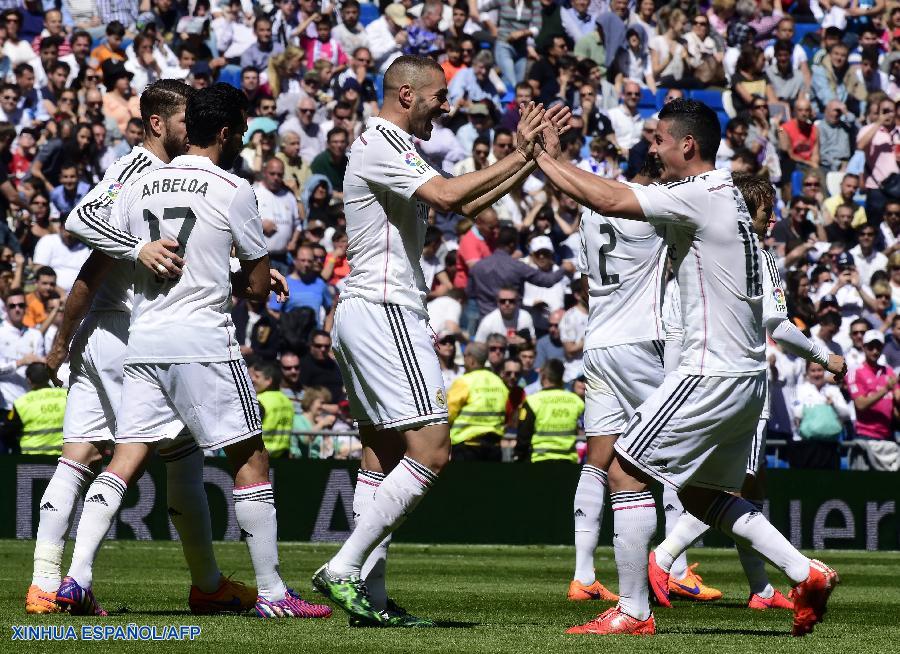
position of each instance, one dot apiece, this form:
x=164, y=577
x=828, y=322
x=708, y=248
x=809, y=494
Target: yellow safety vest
x=485, y=409
x=278, y=420
x=556, y=413
x=41, y=412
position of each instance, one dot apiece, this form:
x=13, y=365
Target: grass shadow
x=720, y=631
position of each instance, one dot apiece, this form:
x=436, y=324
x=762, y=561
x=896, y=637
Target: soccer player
x=760, y=198
x=624, y=262
x=694, y=432
x=96, y=381
x=183, y=368
x=381, y=337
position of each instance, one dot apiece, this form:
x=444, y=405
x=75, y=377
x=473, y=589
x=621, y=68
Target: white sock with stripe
x=397, y=496
x=102, y=502
x=254, y=508
x=738, y=518
x=56, y=513
x=589, y=496
x=755, y=567
x=375, y=567
x=682, y=531
x=634, y=525
x=189, y=512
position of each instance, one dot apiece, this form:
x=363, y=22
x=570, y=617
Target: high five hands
x=540, y=129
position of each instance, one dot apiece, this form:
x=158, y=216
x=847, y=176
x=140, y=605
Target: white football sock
x=375, y=567
x=589, y=496
x=634, y=525
x=685, y=530
x=755, y=567
x=56, y=513
x=397, y=496
x=738, y=518
x=101, y=504
x=254, y=508
x=189, y=512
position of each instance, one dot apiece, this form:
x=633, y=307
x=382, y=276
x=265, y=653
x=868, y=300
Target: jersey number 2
x=605, y=279
x=185, y=214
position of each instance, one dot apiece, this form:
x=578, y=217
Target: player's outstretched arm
x=452, y=194
x=557, y=115
x=89, y=279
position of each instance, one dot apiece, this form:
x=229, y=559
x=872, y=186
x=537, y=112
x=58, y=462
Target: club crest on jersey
x=413, y=160
x=440, y=398
x=113, y=190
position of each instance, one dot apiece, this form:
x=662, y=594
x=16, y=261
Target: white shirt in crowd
x=444, y=314
x=553, y=297
x=14, y=344
x=627, y=127
x=867, y=265
x=66, y=260
x=572, y=329
x=280, y=208
x=494, y=323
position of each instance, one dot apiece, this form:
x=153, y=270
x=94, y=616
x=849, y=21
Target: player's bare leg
x=78, y=464
x=813, y=581
x=254, y=508
x=427, y=452
x=590, y=495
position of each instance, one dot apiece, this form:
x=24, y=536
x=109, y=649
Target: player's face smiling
x=669, y=152
x=430, y=103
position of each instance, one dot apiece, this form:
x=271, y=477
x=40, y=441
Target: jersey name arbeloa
x=176, y=185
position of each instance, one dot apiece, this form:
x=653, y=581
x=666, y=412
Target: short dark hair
x=261, y=19
x=44, y=271
x=21, y=68
x=115, y=28
x=269, y=369
x=432, y=235
x=9, y=86
x=336, y=131
x=783, y=46
x=60, y=65
x=211, y=109
x=319, y=333
x=507, y=236
x=18, y=290
x=480, y=140
x=692, y=117
x=50, y=41
x=164, y=98
x=38, y=374
x=734, y=123
x=249, y=69
x=553, y=371
x=349, y=4
x=502, y=131
x=80, y=34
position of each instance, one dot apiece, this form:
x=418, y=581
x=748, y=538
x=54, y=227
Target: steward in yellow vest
x=548, y=421
x=476, y=403
x=37, y=417
x=276, y=408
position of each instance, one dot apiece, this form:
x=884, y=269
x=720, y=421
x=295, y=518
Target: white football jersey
x=625, y=261
x=385, y=222
x=90, y=222
x=719, y=270
x=208, y=211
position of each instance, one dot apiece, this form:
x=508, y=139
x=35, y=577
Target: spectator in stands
x=834, y=138
x=278, y=210
x=591, y=46
x=855, y=355
x=276, y=410
x=387, y=35
x=306, y=442
x=475, y=245
x=119, y=103
x=498, y=349
x=848, y=189
x=735, y=137
x=307, y=289
x=841, y=230
x=349, y=32
x=819, y=409
x=799, y=140
x=787, y=82
x=749, y=80
x=332, y=163
x=19, y=346
x=508, y=318
x=476, y=84
x=550, y=346
x=544, y=74
x=290, y=378
x=797, y=59
x=890, y=229
x=891, y=351
x=614, y=24
x=827, y=328
x=873, y=391
x=867, y=259
x=445, y=345
x=257, y=55
x=879, y=141
x=70, y=190
x=303, y=123
x=797, y=235
x=318, y=368
x=705, y=58
x=296, y=170
x=625, y=118
x=833, y=79
x=64, y=253
x=37, y=311
x=112, y=48
x=667, y=52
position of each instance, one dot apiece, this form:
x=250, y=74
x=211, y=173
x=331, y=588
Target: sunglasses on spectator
x=284, y=367
x=858, y=332
x=493, y=348
x=700, y=22
x=480, y=151
x=9, y=96
x=874, y=345
x=632, y=95
x=307, y=111
x=882, y=296
x=504, y=300
x=15, y=305
x=811, y=183
x=892, y=213
x=867, y=234
x=513, y=373
x=321, y=346
x=446, y=341
x=553, y=324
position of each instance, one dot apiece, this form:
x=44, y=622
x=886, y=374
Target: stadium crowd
x=806, y=91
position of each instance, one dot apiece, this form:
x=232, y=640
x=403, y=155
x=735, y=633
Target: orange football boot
x=613, y=621
x=811, y=597
x=230, y=597
x=39, y=601
x=777, y=601
x=578, y=592
x=691, y=587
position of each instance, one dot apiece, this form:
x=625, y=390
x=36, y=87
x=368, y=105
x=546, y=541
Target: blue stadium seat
x=368, y=12
x=646, y=112
x=802, y=29
x=723, y=120
x=231, y=75
x=379, y=88
x=713, y=99
x=660, y=96
x=796, y=182
x=508, y=97
x=648, y=99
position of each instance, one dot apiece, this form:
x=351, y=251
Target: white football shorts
x=95, y=380
x=214, y=400
x=389, y=366
x=619, y=379
x=696, y=430
x=758, y=447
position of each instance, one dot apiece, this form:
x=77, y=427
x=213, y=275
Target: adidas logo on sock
x=246, y=534
x=579, y=513
x=97, y=498
x=669, y=507
x=173, y=511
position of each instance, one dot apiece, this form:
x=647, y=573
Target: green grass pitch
x=488, y=599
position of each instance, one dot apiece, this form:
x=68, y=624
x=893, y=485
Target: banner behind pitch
x=471, y=503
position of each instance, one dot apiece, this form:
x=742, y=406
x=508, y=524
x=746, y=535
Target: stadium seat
x=660, y=96
x=368, y=12
x=713, y=99
x=231, y=75
x=648, y=99
x=646, y=112
x=802, y=29
x=723, y=120
x=379, y=88
x=796, y=182
x=728, y=103
x=509, y=97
